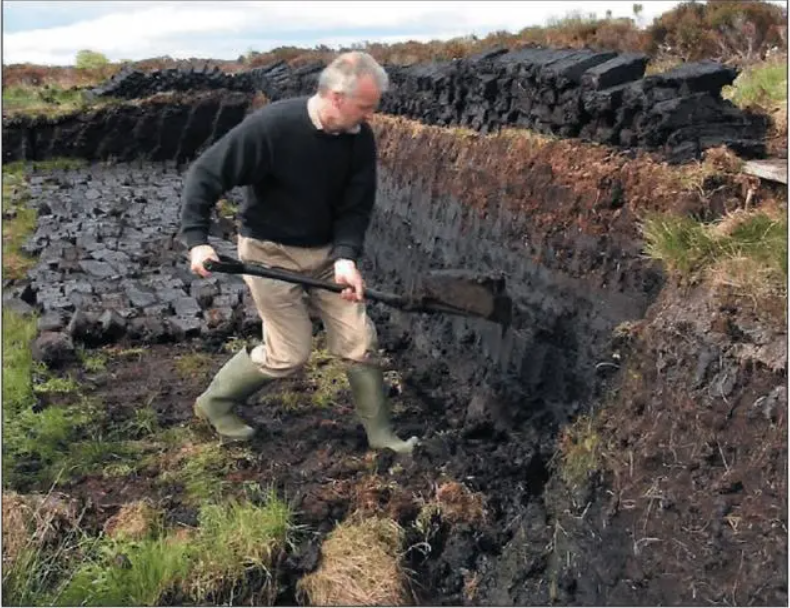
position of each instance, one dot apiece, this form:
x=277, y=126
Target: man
x=309, y=168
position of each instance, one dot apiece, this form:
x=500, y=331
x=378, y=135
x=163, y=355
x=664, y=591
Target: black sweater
x=304, y=187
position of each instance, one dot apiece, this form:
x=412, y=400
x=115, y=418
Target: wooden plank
x=774, y=169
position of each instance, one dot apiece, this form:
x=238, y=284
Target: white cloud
x=126, y=32
x=137, y=30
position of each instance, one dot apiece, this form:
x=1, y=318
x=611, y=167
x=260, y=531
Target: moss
x=579, y=452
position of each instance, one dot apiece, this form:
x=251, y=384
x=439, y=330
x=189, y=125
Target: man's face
x=359, y=106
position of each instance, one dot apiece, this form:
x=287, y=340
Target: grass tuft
x=230, y=555
x=144, y=422
x=579, y=451
x=93, y=362
x=42, y=539
x=326, y=375
x=126, y=573
x=134, y=521
x=763, y=85
x=202, y=468
x=360, y=566
x=57, y=384
x=194, y=366
x=18, y=332
x=238, y=543
x=746, y=249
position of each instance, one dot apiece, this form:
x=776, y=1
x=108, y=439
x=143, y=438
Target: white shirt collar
x=312, y=110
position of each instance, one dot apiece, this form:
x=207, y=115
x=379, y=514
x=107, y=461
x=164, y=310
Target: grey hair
x=345, y=70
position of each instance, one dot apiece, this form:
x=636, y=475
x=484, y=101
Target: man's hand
x=198, y=255
x=346, y=273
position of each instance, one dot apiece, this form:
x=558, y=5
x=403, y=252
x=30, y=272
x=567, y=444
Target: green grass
x=49, y=100
x=228, y=557
x=39, y=447
x=57, y=384
x=322, y=386
x=103, y=455
x=754, y=242
x=289, y=400
x=125, y=353
x=194, y=365
x=18, y=331
x=143, y=423
x=327, y=376
x=131, y=573
x=32, y=578
x=237, y=540
x=64, y=439
x=33, y=442
x=93, y=362
x=203, y=471
x=27, y=578
x=763, y=84
x=20, y=96
x=19, y=221
x=579, y=451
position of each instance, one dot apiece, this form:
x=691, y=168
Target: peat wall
x=169, y=127
x=111, y=267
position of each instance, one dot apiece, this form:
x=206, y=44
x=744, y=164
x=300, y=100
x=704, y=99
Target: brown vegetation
x=134, y=521
x=725, y=30
x=521, y=171
x=31, y=521
x=360, y=566
x=728, y=31
x=457, y=503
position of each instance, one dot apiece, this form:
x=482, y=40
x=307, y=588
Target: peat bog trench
x=110, y=269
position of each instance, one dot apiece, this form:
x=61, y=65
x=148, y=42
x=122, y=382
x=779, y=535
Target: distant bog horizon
x=51, y=33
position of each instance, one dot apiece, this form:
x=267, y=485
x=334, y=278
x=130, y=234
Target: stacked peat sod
x=680, y=112
x=135, y=84
x=277, y=80
x=603, y=97
x=596, y=96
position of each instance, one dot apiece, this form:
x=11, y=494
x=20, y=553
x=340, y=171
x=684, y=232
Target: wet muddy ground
x=316, y=456
x=712, y=532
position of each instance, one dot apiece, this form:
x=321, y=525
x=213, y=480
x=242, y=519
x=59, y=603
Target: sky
x=52, y=32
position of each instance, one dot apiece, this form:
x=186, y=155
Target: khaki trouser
x=287, y=327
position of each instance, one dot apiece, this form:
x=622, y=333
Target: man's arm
x=352, y=215
x=236, y=159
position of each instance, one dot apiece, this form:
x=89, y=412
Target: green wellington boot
x=238, y=379
x=367, y=390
